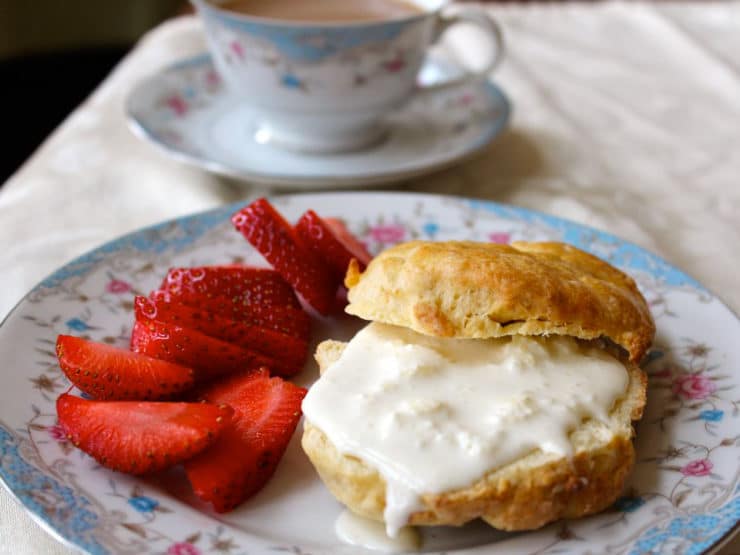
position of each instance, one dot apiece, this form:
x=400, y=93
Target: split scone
x=495, y=382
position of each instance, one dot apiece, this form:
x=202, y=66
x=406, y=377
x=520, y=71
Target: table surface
x=626, y=118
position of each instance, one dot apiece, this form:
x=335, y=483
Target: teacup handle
x=480, y=18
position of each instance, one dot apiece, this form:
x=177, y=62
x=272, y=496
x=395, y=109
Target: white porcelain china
x=683, y=496
x=326, y=87
x=188, y=113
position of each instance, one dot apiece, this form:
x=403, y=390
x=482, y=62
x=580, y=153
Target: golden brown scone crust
x=523, y=495
x=479, y=290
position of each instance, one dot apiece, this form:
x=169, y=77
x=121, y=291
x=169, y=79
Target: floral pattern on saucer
x=683, y=496
x=189, y=113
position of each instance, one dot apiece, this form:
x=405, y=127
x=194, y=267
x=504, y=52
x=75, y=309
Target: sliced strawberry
x=283, y=319
x=106, y=372
x=289, y=351
x=208, y=356
x=266, y=413
x=329, y=244
x=250, y=285
x=349, y=240
x=140, y=437
x=277, y=241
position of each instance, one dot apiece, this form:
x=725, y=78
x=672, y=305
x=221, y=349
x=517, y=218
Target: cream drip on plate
x=436, y=414
x=363, y=532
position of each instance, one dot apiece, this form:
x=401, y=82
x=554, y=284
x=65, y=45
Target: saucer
x=188, y=112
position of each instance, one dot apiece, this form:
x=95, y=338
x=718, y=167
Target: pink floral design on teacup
x=213, y=79
x=177, y=104
x=237, y=49
x=395, y=64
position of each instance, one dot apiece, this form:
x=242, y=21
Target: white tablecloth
x=627, y=118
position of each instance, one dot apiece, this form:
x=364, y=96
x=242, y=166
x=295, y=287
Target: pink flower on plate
x=699, y=467
x=183, y=548
x=57, y=433
x=392, y=233
x=118, y=286
x=693, y=386
x=500, y=237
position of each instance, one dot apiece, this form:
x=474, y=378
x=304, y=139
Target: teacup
x=326, y=87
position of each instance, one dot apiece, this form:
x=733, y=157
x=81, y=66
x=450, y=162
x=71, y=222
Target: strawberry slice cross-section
x=250, y=285
x=332, y=241
x=287, y=350
x=266, y=413
x=208, y=356
x=277, y=241
x=138, y=437
x=106, y=372
x=283, y=319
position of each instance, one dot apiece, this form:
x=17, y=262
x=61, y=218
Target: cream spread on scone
x=436, y=414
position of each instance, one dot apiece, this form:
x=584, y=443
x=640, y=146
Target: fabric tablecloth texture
x=626, y=118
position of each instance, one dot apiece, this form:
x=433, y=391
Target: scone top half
x=466, y=289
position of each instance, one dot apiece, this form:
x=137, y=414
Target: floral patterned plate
x=188, y=113
x=683, y=496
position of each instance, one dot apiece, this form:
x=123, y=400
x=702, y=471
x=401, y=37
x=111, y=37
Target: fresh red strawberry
x=266, y=413
x=288, y=350
x=106, y=372
x=322, y=238
x=140, y=437
x=277, y=241
x=208, y=356
x=250, y=285
x=348, y=239
x=284, y=319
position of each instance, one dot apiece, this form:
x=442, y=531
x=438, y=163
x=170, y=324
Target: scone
x=495, y=382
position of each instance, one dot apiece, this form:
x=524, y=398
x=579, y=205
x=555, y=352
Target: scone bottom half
x=478, y=291
x=523, y=495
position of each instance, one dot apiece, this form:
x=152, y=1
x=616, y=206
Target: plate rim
x=142, y=132
x=219, y=213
